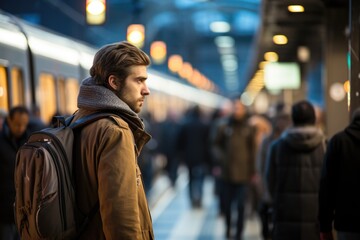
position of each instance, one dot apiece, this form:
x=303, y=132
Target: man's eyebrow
x=141, y=77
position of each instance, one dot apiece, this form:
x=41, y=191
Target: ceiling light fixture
x=224, y=41
x=280, y=39
x=136, y=34
x=271, y=56
x=303, y=53
x=158, y=51
x=296, y=8
x=220, y=27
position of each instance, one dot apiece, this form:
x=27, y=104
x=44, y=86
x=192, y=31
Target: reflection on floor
x=174, y=219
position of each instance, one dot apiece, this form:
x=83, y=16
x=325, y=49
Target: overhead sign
x=282, y=75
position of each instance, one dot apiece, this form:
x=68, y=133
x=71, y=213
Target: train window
x=4, y=104
x=61, y=95
x=67, y=95
x=17, y=84
x=47, y=97
x=68, y=91
x=72, y=90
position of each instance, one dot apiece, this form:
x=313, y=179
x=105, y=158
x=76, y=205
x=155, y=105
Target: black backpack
x=45, y=204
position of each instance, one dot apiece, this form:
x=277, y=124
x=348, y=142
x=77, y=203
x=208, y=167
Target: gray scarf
x=95, y=97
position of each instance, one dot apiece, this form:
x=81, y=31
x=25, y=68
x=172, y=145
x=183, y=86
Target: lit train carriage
x=56, y=66
x=38, y=67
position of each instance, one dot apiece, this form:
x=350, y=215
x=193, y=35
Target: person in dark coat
x=169, y=130
x=339, y=200
x=13, y=135
x=293, y=176
x=193, y=145
x=235, y=148
x=280, y=120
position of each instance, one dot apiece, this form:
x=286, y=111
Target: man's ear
x=113, y=82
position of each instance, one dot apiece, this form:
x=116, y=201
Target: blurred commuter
x=263, y=127
x=13, y=135
x=35, y=122
x=108, y=172
x=235, y=146
x=193, y=144
x=145, y=159
x=280, y=120
x=293, y=176
x=217, y=119
x=339, y=200
x=169, y=130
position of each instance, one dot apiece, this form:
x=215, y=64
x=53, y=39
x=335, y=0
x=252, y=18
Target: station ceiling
x=229, y=58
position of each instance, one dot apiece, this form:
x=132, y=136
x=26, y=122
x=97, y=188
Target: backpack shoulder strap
x=87, y=119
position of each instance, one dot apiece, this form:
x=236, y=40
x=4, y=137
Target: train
x=41, y=68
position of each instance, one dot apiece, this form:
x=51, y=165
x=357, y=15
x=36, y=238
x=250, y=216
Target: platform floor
x=175, y=219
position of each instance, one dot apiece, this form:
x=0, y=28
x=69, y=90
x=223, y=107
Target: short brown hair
x=115, y=59
x=18, y=109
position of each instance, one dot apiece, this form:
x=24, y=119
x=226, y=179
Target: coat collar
x=141, y=137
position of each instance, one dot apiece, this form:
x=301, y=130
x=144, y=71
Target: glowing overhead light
x=224, y=42
x=175, y=63
x=271, y=56
x=95, y=7
x=303, y=54
x=296, y=8
x=229, y=63
x=186, y=71
x=337, y=91
x=220, y=27
x=158, y=52
x=136, y=34
x=280, y=39
x=95, y=12
x=196, y=77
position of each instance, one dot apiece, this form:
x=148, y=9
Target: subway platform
x=175, y=219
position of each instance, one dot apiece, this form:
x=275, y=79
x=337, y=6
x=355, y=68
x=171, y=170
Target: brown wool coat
x=109, y=173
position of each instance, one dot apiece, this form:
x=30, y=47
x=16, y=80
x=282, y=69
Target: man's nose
x=146, y=90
